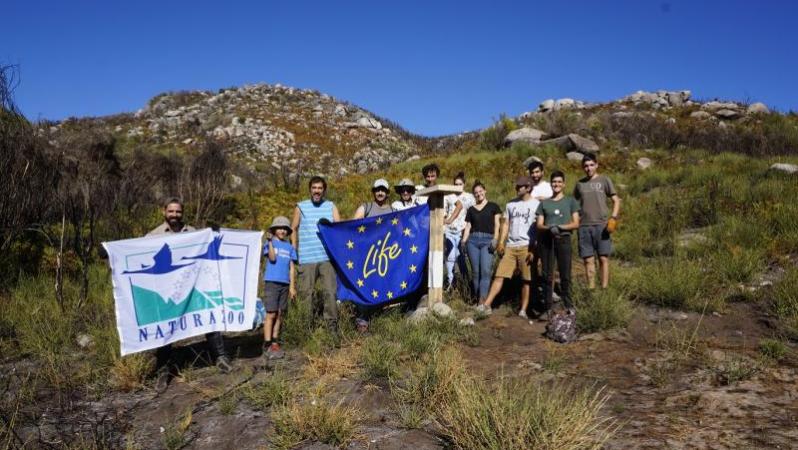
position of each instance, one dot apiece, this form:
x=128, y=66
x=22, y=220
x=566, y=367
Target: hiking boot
x=484, y=309
x=223, y=364
x=162, y=379
x=275, y=352
x=522, y=314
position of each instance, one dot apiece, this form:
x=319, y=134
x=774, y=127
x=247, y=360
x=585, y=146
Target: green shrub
x=671, y=282
x=735, y=369
x=380, y=359
x=602, y=310
x=320, y=341
x=273, y=391
x=773, y=349
x=314, y=420
x=515, y=414
x=296, y=323
x=734, y=264
x=785, y=301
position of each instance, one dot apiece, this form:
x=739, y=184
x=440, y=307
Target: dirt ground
x=664, y=375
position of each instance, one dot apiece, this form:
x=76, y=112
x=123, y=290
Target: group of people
x=533, y=230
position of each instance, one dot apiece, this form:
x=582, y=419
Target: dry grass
x=516, y=414
x=314, y=420
x=130, y=372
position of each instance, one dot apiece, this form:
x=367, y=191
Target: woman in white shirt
x=455, y=225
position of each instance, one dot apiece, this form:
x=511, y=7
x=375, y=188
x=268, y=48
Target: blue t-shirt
x=277, y=271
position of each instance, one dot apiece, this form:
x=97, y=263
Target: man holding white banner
x=177, y=283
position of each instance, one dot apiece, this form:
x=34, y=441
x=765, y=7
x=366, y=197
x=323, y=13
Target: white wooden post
x=435, y=195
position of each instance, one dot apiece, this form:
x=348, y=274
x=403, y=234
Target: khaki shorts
x=514, y=258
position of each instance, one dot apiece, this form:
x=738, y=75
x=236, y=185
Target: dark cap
x=523, y=181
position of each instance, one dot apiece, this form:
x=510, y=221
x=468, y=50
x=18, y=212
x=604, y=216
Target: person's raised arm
x=336, y=216
x=272, y=253
x=295, y=226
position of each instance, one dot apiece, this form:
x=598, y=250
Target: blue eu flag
x=379, y=259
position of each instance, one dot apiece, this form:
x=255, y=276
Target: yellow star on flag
x=413, y=249
x=350, y=265
x=407, y=232
x=379, y=220
x=359, y=283
x=404, y=285
x=389, y=294
x=413, y=268
x=361, y=229
x=395, y=221
x=350, y=245
x=374, y=294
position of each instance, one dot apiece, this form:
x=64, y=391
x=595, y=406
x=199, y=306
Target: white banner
x=175, y=286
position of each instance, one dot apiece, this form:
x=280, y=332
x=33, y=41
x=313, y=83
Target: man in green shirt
x=596, y=221
x=556, y=217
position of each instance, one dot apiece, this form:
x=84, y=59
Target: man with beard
x=380, y=205
x=314, y=263
x=541, y=190
x=164, y=364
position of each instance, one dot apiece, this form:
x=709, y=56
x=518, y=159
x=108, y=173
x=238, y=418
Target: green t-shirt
x=558, y=212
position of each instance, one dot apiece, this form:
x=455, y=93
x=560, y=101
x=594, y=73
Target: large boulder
x=784, y=167
x=564, y=103
x=573, y=142
x=574, y=156
x=727, y=114
x=714, y=106
x=546, y=105
x=757, y=108
x=701, y=115
x=526, y=134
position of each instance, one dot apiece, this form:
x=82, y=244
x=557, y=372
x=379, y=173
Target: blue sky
x=433, y=67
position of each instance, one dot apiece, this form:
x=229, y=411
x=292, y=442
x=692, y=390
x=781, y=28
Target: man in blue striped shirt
x=314, y=263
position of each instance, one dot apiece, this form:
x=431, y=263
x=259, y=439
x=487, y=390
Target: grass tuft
x=314, y=420
x=516, y=414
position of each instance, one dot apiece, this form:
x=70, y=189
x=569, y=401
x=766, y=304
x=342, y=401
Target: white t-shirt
x=400, y=206
x=450, y=203
x=542, y=189
x=520, y=216
x=421, y=199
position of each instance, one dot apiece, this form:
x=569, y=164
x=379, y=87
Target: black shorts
x=276, y=296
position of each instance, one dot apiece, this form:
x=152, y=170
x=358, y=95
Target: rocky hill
x=269, y=128
x=282, y=131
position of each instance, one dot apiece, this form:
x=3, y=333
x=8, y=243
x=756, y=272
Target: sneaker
x=484, y=309
x=275, y=352
x=522, y=314
x=223, y=364
x=162, y=379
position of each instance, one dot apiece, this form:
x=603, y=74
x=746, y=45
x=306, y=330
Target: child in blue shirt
x=280, y=286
